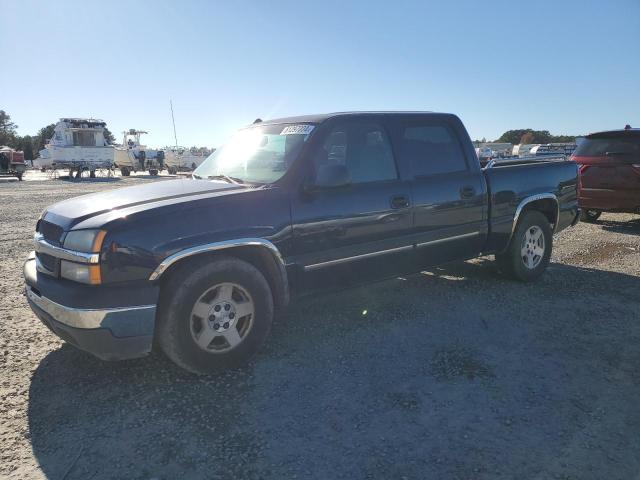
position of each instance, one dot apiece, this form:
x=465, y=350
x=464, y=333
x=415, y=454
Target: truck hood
x=122, y=201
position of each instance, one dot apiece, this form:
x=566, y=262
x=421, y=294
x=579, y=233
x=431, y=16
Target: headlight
x=80, y=272
x=88, y=241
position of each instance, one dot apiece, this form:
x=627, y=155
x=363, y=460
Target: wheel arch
x=545, y=203
x=259, y=252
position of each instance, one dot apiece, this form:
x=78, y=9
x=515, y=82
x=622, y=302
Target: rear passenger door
x=366, y=222
x=448, y=189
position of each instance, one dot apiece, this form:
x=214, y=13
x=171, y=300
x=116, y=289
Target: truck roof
x=321, y=117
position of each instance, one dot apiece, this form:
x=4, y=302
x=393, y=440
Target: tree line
x=31, y=144
x=528, y=135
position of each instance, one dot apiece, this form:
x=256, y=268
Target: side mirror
x=331, y=176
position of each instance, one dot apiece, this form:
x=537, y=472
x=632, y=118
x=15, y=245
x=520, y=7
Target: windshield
x=258, y=154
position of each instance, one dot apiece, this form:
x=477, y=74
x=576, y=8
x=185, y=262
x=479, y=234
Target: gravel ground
x=453, y=373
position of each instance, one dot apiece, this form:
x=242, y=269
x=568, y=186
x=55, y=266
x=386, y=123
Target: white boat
x=180, y=158
x=524, y=149
x=132, y=155
x=77, y=144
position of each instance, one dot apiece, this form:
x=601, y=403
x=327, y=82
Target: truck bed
x=509, y=183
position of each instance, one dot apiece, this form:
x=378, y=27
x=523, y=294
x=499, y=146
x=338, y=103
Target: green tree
x=108, y=136
x=7, y=130
x=26, y=145
x=44, y=134
x=528, y=135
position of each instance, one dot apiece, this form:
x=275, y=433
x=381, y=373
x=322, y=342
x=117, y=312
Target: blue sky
x=566, y=66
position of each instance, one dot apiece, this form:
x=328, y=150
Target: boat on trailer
x=133, y=155
x=182, y=159
x=79, y=145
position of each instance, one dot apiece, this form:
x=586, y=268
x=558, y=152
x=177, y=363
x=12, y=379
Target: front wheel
x=214, y=317
x=590, y=216
x=529, y=252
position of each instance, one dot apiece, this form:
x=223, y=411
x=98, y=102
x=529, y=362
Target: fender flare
x=224, y=245
x=526, y=201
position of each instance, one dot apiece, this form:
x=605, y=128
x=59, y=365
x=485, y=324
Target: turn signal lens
x=80, y=272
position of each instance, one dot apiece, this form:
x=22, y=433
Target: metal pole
x=175, y=137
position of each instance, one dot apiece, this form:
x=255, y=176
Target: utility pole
x=175, y=137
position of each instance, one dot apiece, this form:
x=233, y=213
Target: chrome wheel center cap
x=222, y=316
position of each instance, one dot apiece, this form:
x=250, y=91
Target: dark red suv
x=609, y=165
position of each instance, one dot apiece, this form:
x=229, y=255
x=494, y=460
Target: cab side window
x=363, y=148
x=431, y=149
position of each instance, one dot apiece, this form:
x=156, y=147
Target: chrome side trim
x=355, y=257
x=42, y=246
x=525, y=202
x=448, y=239
x=390, y=250
x=89, y=318
x=212, y=247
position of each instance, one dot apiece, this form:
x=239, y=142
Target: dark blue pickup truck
x=199, y=267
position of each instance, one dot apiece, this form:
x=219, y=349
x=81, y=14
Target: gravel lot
x=453, y=373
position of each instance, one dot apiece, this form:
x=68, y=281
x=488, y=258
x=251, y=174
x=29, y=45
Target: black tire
x=19, y=175
x=511, y=262
x=125, y=172
x=92, y=174
x=181, y=292
x=590, y=216
x=153, y=172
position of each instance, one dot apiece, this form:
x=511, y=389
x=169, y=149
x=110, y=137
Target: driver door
x=364, y=224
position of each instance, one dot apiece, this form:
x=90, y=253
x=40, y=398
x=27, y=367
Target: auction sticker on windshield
x=297, y=130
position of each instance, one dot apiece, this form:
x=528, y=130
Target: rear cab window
x=430, y=148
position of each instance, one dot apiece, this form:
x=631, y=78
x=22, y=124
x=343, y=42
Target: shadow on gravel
x=631, y=227
x=453, y=373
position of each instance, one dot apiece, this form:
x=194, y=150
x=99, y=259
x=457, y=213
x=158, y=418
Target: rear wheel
x=590, y=216
x=215, y=317
x=125, y=172
x=529, y=251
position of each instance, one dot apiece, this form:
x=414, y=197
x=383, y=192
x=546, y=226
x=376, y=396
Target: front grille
x=51, y=232
x=49, y=262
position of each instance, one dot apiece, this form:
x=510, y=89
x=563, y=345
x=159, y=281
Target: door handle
x=467, y=192
x=400, y=201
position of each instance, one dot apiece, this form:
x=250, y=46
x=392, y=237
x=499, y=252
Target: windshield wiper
x=227, y=178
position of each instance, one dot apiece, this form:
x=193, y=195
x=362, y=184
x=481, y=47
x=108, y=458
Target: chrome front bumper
x=112, y=332
x=91, y=318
